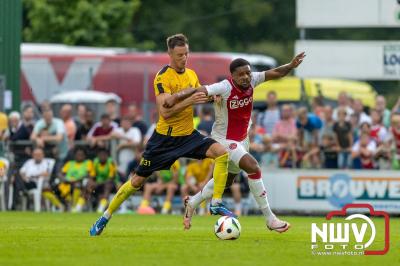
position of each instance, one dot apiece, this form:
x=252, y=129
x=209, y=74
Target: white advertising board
x=347, y=13
x=366, y=60
x=307, y=191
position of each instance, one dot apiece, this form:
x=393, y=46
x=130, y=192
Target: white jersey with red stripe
x=233, y=114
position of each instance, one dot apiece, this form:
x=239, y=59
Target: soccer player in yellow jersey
x=175, y=135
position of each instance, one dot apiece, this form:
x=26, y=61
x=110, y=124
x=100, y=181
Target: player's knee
x=137, y=181
x=216, y=150
x=254, y=172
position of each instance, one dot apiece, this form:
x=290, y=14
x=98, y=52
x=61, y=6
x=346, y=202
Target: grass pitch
x=63, y=239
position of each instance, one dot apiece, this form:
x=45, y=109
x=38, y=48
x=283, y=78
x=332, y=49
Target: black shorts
x=162, y=151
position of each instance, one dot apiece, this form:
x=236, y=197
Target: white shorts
x=236, y=151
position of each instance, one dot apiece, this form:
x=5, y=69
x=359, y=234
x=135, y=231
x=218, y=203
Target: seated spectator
x=136, y=119
x=328, y=150
x=102, y=131
x=198, y=172
x=69, y=123
x=36, y=168
x=291, y=155
x=378, y=131
x=344, y=139
x=86, y=123
x=104, y=180
x=167, y=180
x=50, y=131
x=73, y=174
x=113, y=111
x=129, y=139
x=363, y=152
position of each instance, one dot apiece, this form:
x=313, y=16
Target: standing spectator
x=363, y=152
x=383, y=155
x=85, y=124
x=285, y=129
x=151, y=129
x=3, y=124
x=318, y=106
x=344, y=139
x=328, y=122
x=28, y=121
x=378, y=131
x=50, y=130
x=81, y=113
x=308, y=126
x=328, y=151
x=291, y=155
x=395, y=139
x=207, y=121
x=101, y=132
x=380, y=106
x=133, y=163
x=271, y=116
x=112, y=111
x=359, y=110
x=14, y=125
x=343, y=102
x=133, y=114
x=69, y=123
x=129, y=139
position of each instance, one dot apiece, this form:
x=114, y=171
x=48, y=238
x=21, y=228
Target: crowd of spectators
x=81, y=161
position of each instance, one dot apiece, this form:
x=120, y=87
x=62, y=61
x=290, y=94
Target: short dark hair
x=105, y=116
x=176, y=40
x=238, y=62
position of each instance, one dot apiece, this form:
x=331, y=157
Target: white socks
x=260, y=195
x=256, y=188
x=204, y=194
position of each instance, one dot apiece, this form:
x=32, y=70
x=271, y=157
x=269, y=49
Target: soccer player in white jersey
x=231, y=126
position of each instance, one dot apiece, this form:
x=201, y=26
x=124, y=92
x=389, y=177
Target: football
x=227, y=228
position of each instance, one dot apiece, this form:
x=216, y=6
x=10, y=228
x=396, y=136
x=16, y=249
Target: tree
x=79, y=22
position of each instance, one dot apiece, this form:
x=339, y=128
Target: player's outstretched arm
x=182, y=95
x=195, y=98
x=283, y=70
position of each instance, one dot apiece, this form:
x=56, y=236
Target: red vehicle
x=51, y=69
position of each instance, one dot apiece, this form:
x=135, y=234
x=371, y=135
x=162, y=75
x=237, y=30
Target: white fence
x=308, y=191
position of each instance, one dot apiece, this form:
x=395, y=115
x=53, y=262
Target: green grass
x=62, y=239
